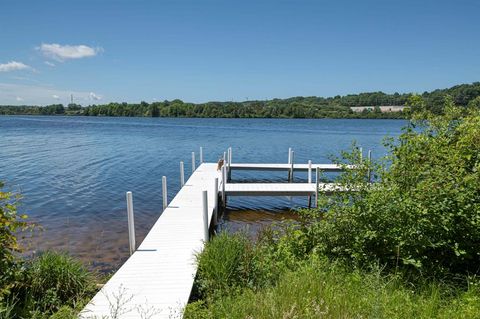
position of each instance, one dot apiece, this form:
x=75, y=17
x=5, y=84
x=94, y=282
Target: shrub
x=424, y=213
x=11, y=224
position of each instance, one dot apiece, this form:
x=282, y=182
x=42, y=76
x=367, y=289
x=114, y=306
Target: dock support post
x=224, y=158
x=317, y=181
x=229, y=171
x=193, y=162
x=201, y=155
x=215, y=198
x=361, y=154
x=309, y=182
x=369, y=173
x=289, y=160
x=309, y=171
x=131, y=223
x=292, y=157
x=205, y=215
x=224, y=181
x=182, y=174
x=164, y=192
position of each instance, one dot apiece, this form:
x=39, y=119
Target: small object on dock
x=220, y=163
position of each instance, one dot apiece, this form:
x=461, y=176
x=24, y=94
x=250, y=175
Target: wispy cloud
x=49, y=63
x=41, y=95
x=94, y=96
x=65, y=52
x=13, y=66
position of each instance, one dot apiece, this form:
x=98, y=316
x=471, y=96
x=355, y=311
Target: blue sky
x=198, y=51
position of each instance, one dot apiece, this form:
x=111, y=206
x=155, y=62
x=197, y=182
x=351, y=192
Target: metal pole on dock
x=164, y=192
x=317, y=173
x=224, y=158
x=289, y=161
x=369, y=173
x=182, y=174
x=224, y=181
x=361, y=154
x=205, y=215
x=229, y=172
x=309, y=171
x=201, y=155
x=215, y=198
x=131, y=223
x=292, y=156
x=193, y=162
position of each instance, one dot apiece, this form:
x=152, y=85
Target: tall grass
x=232, y=272
x=46, y=284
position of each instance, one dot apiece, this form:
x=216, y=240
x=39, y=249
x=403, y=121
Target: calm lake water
x=73, y=172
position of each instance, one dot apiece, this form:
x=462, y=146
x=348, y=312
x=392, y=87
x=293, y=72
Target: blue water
x=73, y=172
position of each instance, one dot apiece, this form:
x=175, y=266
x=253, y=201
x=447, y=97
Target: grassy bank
x=267, y=282
x=51, y=285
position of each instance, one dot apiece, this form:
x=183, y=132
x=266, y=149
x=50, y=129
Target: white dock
x=156, y=281
x=279, y=189
x=159, y=276
x=284, y=167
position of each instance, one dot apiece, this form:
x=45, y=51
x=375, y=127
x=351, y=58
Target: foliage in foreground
x=317, y=288
x=39, y=287
x=424, y=212
x=46, y=284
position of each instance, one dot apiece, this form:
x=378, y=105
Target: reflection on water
x=73, y=172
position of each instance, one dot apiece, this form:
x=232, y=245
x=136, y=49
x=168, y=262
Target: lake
x=73, y=172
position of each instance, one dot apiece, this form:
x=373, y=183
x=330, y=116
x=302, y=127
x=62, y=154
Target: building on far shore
x=384, y=109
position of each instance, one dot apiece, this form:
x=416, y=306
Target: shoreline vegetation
x=403, y=247
x=463, y=95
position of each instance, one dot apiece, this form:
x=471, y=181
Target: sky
x=204, y=50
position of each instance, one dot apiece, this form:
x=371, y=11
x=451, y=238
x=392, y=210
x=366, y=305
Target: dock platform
x=156, y=281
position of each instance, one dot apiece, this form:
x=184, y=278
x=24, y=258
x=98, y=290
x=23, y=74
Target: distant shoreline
x=226, y=118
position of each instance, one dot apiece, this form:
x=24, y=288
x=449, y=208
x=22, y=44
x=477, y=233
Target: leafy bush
x=11, y=223
x=424, y=213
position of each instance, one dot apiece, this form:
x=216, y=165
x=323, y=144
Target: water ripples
x=73, y=172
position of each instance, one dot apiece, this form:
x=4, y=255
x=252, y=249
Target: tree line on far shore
x=295, y=107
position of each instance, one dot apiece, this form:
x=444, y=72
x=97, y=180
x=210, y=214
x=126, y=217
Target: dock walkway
x=158, y=277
